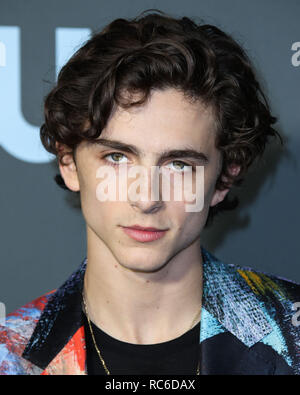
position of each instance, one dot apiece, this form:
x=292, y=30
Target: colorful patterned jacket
x=249, y=325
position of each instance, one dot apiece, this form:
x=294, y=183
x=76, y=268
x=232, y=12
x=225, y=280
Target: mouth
x=144, y=234
x=148, y=229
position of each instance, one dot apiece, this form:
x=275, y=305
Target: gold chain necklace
x=98, y=351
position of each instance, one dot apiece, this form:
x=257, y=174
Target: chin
x=143, y=266
x=142, y=259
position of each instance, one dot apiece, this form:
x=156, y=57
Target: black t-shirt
x=177, y=356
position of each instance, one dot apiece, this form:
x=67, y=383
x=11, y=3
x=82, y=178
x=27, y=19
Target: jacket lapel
x=57, y=345
x=71, y=360
x=228, y=297
x=232, y=323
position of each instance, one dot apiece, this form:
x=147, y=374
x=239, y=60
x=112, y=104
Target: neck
x=143, y=307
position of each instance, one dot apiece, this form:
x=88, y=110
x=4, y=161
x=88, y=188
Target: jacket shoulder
x=270, y=286
x=280, y=300
x=15, y=332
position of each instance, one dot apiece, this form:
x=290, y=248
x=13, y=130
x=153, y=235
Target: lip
x=143, y=235
x=150, y=229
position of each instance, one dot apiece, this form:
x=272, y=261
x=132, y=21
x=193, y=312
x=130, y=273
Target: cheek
x=91, y=207
x=211, y=177
x=103, y=217
x=192, y=223
x=198, y=198
x=189, y=224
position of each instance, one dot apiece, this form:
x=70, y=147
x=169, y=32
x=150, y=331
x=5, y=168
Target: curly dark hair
x=157, y=51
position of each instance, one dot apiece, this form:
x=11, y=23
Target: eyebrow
x=165, y=155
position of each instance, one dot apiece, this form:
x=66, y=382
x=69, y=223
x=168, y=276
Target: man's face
x=167, y=122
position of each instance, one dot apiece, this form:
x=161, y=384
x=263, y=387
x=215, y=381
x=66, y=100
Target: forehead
x=166, y=120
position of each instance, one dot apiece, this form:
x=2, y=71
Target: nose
x=144, y=193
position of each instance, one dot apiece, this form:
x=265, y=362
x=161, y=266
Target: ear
x=219, y=195
x=68, y=169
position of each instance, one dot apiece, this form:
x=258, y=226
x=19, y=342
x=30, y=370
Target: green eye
x=181, y=166
x=114, y=162
x=116, y=155
x=180, y=163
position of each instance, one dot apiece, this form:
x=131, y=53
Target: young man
x=156, y=93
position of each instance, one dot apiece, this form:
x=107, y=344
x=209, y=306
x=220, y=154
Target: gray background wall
x=43, y=235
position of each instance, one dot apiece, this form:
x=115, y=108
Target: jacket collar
x=230, y=300
x=59, y=336
x=60, y=320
